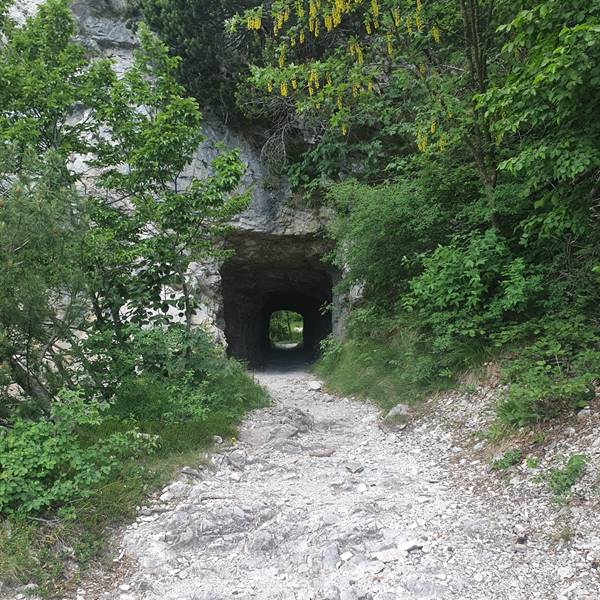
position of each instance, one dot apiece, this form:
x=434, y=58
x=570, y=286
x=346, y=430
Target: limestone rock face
x=103, y=29
x=21, y=9
x=279, y=246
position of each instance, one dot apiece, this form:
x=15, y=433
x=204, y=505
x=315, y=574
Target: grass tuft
x=387, y=368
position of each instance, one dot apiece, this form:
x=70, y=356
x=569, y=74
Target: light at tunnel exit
x=286, y=330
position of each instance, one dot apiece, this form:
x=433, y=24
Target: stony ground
x=316, y=501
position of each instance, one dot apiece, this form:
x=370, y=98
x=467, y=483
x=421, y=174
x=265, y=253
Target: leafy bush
x=508, y=459
x=554, y=374
x=171, y=383
x=169, y=391
x=468, y=287
x=379, y=229
x=562, y=480
x=45, y=464
x=171, y=372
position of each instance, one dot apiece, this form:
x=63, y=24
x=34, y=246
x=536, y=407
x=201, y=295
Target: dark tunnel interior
x=270, y=273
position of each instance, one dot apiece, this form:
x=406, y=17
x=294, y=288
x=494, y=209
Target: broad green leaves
x=44, y=77
x=87, y=253
x=544, y=112
x=154, y=225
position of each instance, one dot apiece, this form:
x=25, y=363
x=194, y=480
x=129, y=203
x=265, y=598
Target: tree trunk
x=30, y=384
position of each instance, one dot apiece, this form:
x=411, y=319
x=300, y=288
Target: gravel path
x=315, y=501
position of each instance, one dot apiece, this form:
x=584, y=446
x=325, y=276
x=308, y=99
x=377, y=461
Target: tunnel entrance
x=269, y=274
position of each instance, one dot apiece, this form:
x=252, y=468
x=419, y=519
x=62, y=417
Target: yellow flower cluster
x=396, y=16
x=435, y=32
x=313, y=82
x=313, y=21
x=280, y=19
x=356, y=51
x=253, y=22
x=339, y=8
x=419, y=22
x=284, y=87
x=282, y=57
x=390, y=43
x=369, y=27
x=314, y=27
x=422, y=141
x=419, y=17
x=333, y=17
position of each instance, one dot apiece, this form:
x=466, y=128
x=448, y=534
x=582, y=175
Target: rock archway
x=270, y=273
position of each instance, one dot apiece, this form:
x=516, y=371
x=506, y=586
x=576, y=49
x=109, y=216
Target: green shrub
x=554, y=374
x=562, y=480
x=509, y=459
x=541, y=393
x=468, y=287
x=170, y=375
x=177, y=391
x=45, y=464
x=379, y=229
x=150, y=397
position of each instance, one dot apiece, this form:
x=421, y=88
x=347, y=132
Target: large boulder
x=396, y=419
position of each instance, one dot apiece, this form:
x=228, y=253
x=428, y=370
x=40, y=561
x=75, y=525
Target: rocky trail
x=316, y=501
